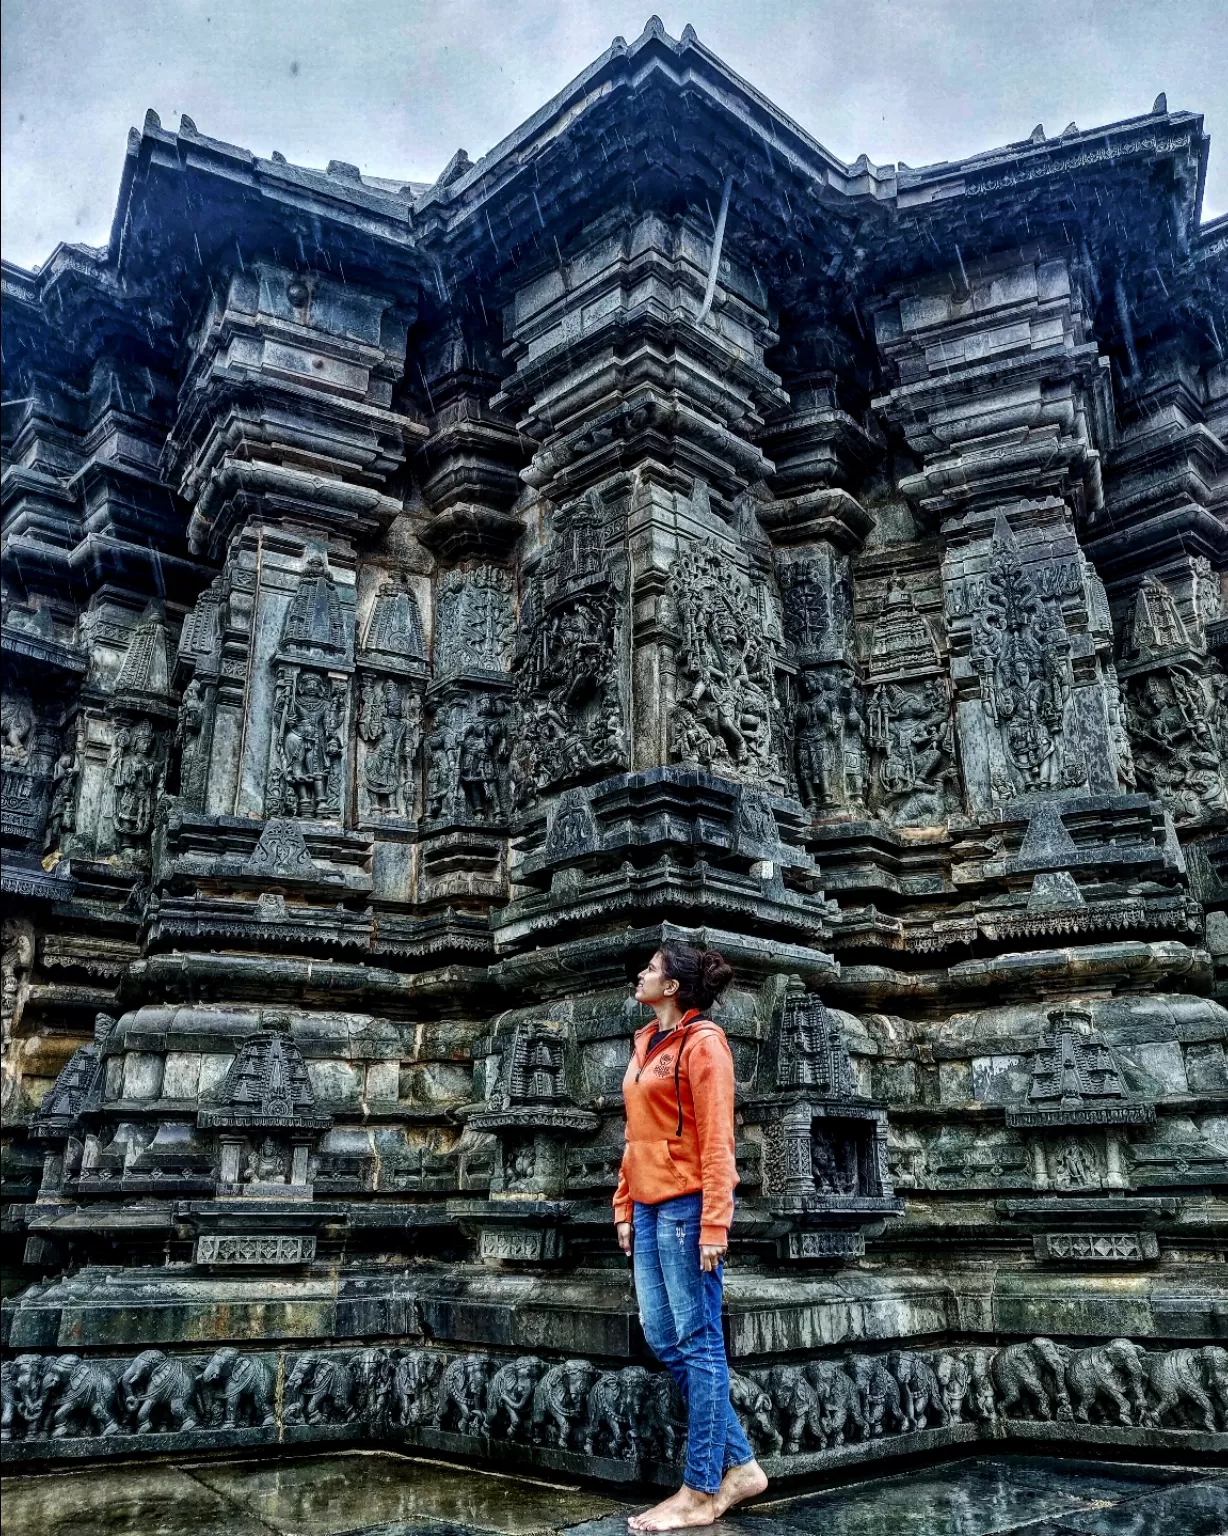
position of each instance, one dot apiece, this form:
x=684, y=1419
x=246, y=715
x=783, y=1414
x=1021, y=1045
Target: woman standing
x=673, y=1207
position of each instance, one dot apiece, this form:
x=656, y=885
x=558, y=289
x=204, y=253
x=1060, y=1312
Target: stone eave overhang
x=661, y=123
x=658, y=122
x=1118, y=189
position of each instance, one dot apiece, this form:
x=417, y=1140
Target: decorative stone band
x=240, y=1250
x=1082, y=1114
x=1096, y=1247
x=617, y=1423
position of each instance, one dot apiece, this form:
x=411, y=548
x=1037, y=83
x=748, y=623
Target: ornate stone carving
x=1021, y=650
x=240, y=1386
x=830, y=731
x=16, y=725
x=819, y=1404
x=1155, y=625
x=308, y=745
x=267, y=1088
x=473, y=621
x=569, y=675
x=389, y=725
x=160, y=1391
x=393, y=667
x=914, y=780
x=724, y=716
x=1178, y=754
x=811, y=1051
x=136, y=770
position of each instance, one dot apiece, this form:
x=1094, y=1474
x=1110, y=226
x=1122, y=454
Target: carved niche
x=824, y=1147
x=266, y=1114
x=725, y=712
x=569, y=688
x=466, y=753
x=306, y=775
x=829, y=742
x=914, y=780
x=24, y=775
x=199, y=658
x=1077, y=1108
x=1021, y=650
x=392, y=665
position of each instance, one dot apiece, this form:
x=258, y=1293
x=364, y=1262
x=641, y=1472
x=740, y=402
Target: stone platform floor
x=378, y=1494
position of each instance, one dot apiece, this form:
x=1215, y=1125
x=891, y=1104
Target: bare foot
x=740, y=1483
x=685, y=1508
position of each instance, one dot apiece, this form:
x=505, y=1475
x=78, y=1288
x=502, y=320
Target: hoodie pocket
x=652, y=1173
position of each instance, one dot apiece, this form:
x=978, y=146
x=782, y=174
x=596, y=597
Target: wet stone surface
x=357, y=1494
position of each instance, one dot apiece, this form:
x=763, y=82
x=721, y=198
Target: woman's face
x=654, y=986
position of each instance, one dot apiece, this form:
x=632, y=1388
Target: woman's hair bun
x=702, y=974
x=716, y=971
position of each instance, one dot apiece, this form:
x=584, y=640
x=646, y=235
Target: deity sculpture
x=308, y=725
x=135, y=775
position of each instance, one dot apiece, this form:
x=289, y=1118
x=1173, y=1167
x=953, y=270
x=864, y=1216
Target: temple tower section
x=995, y=388
x=651, y=656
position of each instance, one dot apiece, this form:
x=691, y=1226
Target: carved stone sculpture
x=560, y=1403
x=319, y=1390
x=839, y=1402
x=1188, y=1385
x=308, y=715
x=881, y=1405
x=614, y=1406
x=160, y=1391
x=462, y=1396
x=755, y=1412
x=1177, y=752
x=136, y=773
x=416, y=1385
x=1112, y=1371
x=77, y=1397
x=913, y=775
x=243, y=1385
x=509, y=1398
x=1031, y=1378
x=724, y=716
x=1021, y=651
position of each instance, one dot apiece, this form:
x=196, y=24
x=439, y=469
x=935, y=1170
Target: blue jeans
x=680, y=1313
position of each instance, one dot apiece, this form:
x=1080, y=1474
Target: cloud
x=395, y=86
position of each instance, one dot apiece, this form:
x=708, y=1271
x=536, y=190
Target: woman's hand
x=710, y=1255
x=624, y=1237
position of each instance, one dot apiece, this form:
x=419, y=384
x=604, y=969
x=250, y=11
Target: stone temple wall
x=420, y=600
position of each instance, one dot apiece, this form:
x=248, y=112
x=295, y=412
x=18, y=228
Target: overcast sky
x=396, y=86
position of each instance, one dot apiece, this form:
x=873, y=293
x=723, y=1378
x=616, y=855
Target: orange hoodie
x=679, y=1104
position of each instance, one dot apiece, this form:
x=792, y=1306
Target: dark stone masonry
x=418, y=600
